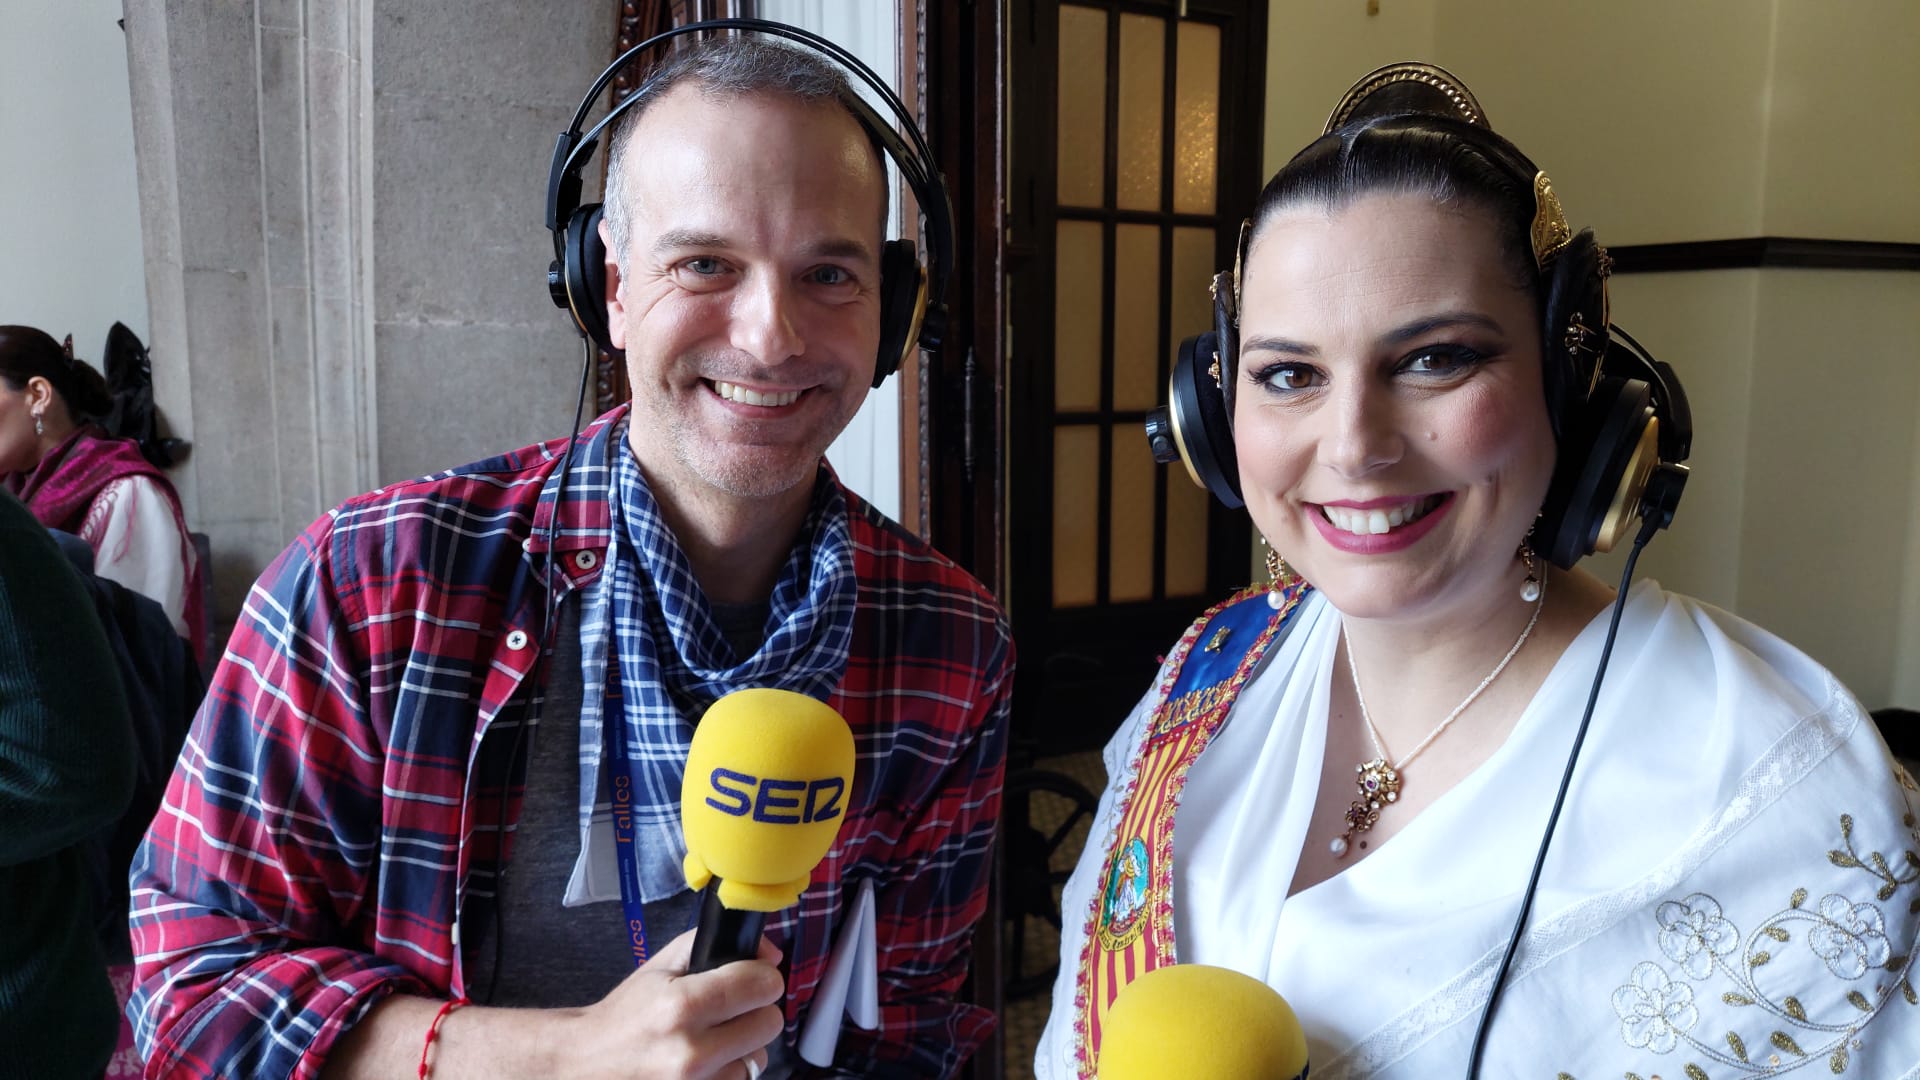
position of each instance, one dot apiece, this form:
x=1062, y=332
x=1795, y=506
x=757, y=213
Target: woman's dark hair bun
x=87, y=392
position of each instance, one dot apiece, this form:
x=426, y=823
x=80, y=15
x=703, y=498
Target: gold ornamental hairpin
x=1448, y=96
x=1550, y=231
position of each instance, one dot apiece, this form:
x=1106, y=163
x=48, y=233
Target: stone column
x=341, y=210
x=252, y=155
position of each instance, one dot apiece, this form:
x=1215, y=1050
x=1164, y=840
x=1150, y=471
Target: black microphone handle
x=723, y=935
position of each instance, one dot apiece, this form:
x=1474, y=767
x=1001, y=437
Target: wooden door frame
x=957, y=439
x=954, y=406
x=953, y=401
x=1031, y=223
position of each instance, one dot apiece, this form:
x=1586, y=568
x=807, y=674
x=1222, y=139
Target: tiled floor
x=1050, y=810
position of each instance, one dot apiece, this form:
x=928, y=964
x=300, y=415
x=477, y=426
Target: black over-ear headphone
x=1619, y=416
x=912, y=307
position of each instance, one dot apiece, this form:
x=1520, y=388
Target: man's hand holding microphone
x=764, y=795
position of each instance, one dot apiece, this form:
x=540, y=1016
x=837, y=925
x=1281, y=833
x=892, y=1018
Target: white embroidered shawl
x=1734, y=889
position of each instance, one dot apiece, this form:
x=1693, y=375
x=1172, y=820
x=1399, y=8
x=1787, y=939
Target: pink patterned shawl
x=61, y=488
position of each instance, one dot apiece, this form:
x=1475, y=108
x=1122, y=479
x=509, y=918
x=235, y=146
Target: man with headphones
x=476, y=659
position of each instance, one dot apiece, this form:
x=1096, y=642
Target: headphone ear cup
x=1197, y=411
x=1627, y=359
x=903, y=303
x=585, y=266
x=1197, y=424
x=1580, y=405
x=1610, y=447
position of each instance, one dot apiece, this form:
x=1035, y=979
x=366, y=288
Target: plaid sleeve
x=249, y=916
x=933, y=894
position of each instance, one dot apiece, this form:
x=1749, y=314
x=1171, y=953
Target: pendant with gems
x=1378, y=785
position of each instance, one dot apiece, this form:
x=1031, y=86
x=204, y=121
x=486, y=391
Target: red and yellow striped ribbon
x=1129, y=930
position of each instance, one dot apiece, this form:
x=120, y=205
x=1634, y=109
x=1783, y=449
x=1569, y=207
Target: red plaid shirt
x=332, y=819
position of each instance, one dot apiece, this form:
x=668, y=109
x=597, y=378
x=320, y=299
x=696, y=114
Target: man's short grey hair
x=722, y=67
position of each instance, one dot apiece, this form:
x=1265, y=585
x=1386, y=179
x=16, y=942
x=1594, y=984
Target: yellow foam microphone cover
x=1191, y=1020
x=766, y=788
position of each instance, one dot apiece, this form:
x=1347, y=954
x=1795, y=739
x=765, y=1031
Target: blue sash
x=1129, y=932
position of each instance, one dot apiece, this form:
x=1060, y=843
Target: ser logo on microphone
x=776, y=801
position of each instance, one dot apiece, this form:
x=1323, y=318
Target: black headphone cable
x=535, y=673
x=1651, y=524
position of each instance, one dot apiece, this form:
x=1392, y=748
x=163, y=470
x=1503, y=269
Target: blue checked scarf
x=674, y=660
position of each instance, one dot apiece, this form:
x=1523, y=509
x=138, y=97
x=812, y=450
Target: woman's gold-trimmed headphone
x=1619, y=416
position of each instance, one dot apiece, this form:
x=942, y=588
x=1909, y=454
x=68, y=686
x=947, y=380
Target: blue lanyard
x=620, y=768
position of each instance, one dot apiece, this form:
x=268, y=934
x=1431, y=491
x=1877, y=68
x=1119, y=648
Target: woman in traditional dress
x=1341, y=783
x=78, y=479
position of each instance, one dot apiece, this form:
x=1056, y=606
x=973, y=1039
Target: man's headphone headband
x=1620, y=417
x=912, y=308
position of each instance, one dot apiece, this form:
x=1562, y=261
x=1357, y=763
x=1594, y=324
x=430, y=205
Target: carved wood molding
x=640, y=20
x=916, y=420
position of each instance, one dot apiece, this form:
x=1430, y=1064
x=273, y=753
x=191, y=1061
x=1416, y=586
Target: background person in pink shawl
x=78, y=479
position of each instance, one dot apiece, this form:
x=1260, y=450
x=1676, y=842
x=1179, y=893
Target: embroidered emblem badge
x=1125, y=897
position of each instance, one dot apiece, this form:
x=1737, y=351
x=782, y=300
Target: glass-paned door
x=1135, y=174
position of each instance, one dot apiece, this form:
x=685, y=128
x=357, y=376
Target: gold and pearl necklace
x=1378, y=782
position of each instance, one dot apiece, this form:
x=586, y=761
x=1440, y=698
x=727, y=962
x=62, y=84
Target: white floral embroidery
x=1739, y=1008
x=1694, y=935
x=1654, y=1010
x=1851, y=938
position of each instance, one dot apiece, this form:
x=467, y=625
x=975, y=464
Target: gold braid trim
x=1462, y=99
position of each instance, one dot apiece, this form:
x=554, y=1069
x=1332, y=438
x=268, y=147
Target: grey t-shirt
x=552, y=956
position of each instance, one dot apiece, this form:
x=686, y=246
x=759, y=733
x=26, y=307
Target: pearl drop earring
x=1530, y=588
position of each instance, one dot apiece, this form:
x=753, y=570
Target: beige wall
x=1717, y=119
x=1315, y=49
x=1836, y=388
x=1843, y=146
x=1703, y=324
x=1649, y=115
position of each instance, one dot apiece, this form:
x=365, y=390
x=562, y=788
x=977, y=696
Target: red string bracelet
x=433, y=1031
